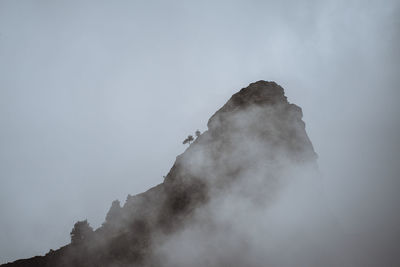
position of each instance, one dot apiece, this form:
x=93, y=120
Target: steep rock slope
x=252, y=147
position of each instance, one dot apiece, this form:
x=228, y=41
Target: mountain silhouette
x=220, y=199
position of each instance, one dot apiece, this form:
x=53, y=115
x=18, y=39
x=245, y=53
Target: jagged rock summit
x=249, y=145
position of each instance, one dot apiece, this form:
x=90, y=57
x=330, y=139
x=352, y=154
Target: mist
x=96, y=99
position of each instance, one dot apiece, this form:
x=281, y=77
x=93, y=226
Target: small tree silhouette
x=81, y=232
x=188, y=139
x=197, y=133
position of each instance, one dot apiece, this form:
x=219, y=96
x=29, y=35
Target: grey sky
x=96, y=98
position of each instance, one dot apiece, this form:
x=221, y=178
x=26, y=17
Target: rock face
x=247, y=155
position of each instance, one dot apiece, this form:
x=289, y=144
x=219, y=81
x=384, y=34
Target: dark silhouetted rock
x=257, y=129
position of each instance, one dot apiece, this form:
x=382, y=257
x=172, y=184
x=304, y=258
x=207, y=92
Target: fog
x=265, y=205
x=97, y=97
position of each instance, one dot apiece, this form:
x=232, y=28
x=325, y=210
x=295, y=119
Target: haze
x=96, y=98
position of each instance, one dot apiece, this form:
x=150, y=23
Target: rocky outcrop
x=252, y=139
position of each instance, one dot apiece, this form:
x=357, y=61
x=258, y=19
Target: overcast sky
x=96, y=98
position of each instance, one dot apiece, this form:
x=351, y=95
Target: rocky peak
x=257, y=93
x=250, y=140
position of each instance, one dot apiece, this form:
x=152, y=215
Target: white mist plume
x=271, y=213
